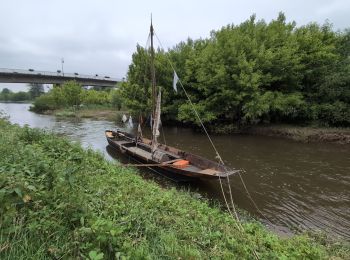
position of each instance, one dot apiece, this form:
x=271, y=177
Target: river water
x=295, y=186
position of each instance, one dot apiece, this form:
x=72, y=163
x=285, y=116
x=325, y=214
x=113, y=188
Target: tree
x=5, y=91
x=36, y=89
x=250, y=73
x=5, y=94
x=116, y=98
x=72, y=93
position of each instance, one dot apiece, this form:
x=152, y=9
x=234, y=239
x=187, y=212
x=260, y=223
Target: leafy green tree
x=6, y=91
x=45, y=102
x=116, y=98
x=94, y=97
x=20, y=96
x=5, y=94
x=251, y=73
x=72, y=93
x=36, y=89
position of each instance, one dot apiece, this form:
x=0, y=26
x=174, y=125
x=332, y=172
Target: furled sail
x=130, y=123
x=156, y=123
x=124, y=118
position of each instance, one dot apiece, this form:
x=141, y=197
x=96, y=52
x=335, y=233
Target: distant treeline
x=34, y=90
x=255, y=72
x=8, y=95
x=71, y=94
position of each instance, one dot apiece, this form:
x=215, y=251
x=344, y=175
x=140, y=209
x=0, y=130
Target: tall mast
x=153, y=73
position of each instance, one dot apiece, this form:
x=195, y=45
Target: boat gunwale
x=220, y=170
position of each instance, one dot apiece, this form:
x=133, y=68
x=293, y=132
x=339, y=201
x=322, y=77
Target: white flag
x=124, y=118
x=131, y=124
x=176, y=79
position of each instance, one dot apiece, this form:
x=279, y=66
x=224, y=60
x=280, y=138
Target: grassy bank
x=60, y=201
x=93, y=112
x=97, y=112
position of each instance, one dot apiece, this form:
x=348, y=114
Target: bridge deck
x=47, y=77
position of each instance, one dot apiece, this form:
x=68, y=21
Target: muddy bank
x=303, y=134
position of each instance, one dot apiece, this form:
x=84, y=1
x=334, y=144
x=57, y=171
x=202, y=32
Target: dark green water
x=296, y=186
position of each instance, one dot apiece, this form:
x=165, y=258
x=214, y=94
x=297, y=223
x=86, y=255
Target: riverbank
x=303, y=134
x=306, y=134
x=92, y=112
x=59, y=200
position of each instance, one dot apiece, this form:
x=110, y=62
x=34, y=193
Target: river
x=296, y=186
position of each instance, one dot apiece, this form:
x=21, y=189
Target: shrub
x=116, y=99
x=44, y=102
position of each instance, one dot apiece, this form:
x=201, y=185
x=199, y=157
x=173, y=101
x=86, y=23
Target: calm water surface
x=296, y=186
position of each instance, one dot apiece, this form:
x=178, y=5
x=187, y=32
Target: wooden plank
x=209, y=171
x=140, y=152
x=109, y=134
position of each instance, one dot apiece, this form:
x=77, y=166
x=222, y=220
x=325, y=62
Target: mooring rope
x=239, y=225
x=237, y=222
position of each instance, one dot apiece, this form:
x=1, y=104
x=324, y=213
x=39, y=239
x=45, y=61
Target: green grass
x=92, y=111
x=60, y=201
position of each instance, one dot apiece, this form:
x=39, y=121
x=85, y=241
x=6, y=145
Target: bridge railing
x=56, y=74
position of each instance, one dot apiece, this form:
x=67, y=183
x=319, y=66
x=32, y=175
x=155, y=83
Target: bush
x=336, y=114
x=44, y=102
x=94, y=97
x=72, y=91
x=116, y=99
x=69, y=95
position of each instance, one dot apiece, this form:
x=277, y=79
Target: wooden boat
x=166, y=158
x=157, y=155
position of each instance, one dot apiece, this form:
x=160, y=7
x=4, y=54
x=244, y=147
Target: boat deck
x=141, y=152
x=148, y=156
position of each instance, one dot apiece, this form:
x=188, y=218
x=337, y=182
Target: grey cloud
x=100, y=36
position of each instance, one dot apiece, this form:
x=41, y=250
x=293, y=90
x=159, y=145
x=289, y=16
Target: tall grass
x=60, y=201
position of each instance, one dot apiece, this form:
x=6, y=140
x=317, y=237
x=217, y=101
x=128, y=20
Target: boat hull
x=198, y=168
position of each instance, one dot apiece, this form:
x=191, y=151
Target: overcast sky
x=100, y=36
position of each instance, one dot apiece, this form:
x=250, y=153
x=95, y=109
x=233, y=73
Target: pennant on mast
x=175, y=80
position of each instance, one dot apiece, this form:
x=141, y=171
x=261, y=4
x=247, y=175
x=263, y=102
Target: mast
x=154, y=137
x=153, y=74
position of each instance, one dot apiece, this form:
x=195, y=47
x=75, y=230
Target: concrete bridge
x=47, y=77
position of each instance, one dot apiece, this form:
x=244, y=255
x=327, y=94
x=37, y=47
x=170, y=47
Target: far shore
x=305, y=134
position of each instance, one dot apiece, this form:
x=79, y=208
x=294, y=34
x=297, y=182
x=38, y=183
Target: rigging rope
x=163, y=133
x=217, y=153
x=238, y=222
x=239, y=226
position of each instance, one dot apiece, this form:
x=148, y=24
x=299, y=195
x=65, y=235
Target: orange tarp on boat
x=181, y=164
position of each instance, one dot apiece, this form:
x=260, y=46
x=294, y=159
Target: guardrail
x=56, y=74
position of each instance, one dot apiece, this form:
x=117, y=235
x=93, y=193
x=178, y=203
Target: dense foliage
x=251, y=73
x=8, y=95
x=71, y=94
x=59, y=201
x=35, y=90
